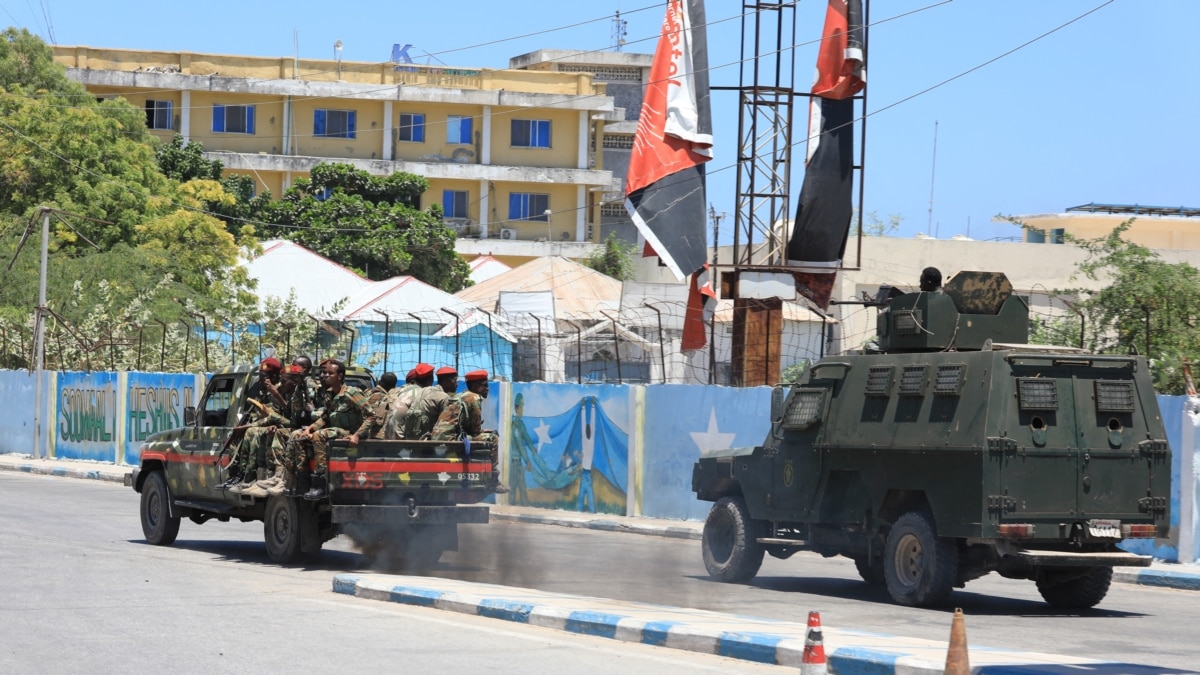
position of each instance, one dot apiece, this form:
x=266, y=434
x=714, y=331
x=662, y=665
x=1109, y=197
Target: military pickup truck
x=948, y=450
x=401, y=501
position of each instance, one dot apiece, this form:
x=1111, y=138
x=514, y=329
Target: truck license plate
x=1110, y=529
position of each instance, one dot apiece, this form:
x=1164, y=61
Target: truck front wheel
x=157, y=524
x=918, y=566
x=1075, y=588
x=730, y=545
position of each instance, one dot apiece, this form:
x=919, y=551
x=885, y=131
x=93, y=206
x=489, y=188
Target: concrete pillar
x=387, y=130
x=484, y=209
x=485, y=153
x=185, y=115
x=584, y=125
x=581, y=212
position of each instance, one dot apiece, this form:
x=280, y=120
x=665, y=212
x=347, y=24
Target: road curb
x=672, y=532
x=744, y=638
x=35, y=467
x=1185, y=581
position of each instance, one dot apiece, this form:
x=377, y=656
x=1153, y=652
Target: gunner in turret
x=931, y=280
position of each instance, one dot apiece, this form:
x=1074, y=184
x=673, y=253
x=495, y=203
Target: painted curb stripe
x=421, y=597
x=756, y=647
x=600, y=624
x=345, y=584
x=1167, y=579
x=657, y=632
x=859, y=661
x=506, y=610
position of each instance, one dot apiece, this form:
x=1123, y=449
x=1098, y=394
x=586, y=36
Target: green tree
x=185, y=161
x=615, y=259
x=372, y=224
x=874, y=226
x=1147, y=306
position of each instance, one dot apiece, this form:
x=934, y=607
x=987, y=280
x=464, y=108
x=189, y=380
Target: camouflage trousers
x=259, y=448
x=300, y=449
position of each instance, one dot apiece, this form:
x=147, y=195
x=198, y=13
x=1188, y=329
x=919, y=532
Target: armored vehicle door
x=796, y=452
x=1080, y=435
x=198, y=473
x=1121, y=437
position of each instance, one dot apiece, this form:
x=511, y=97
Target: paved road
x=1001, y=613
x=83, y=593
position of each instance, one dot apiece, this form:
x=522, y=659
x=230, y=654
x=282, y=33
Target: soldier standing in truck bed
x=463, y=414
x=377, y=401
x=428, y=404
x=402, y=398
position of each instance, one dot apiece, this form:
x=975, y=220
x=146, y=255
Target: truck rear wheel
x=284, y=524
x=157, y=524
x=730, y=545
x=1076, y=588
x=918, y=566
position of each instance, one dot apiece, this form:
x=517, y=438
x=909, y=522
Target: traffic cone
x=813, y=662
x=956, y=656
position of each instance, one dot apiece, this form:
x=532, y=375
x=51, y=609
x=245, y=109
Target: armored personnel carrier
x=950, y=450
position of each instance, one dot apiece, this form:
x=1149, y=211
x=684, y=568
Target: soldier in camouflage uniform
x=463, y=414
x=251, y=450
x=297, y=402
x=401, y=398
x=344, y=415
x=377, y=401
x=257, y=444
x=427, y=406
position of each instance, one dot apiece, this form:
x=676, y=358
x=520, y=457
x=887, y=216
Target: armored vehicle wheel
x=157, y=524
x=918, y=566
x=871, y=570
x=1075, y=588
x=283, y=527
x=731, y=550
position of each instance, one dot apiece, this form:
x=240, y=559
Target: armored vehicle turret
x=950, y=449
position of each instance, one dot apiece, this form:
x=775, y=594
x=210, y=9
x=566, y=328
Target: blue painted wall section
x=86, y=419
x=154, y=403
x=681, y=422
x=17, y=388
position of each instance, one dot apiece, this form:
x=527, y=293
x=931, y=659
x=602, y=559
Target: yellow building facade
x=1156, y=227
x=510, y=154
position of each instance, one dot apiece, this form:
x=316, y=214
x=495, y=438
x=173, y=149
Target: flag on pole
x=664, y=187
x=823, y=215
x=702, y=301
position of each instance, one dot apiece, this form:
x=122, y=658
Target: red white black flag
x=664, y=188
x=822, y=224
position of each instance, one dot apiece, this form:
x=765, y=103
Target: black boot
x=318, y=490
x=301, y=485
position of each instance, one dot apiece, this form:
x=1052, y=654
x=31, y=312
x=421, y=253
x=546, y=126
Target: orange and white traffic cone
x=813, y=662
x=957, y=662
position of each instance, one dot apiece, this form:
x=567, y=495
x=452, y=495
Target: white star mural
x=712, y=438
x=543, y=434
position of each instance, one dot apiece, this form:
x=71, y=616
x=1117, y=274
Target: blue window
x=531, y=133
x=458, y=130
x=528, y=206
x=158, y=114
x=454, y=203
x=334, y=123
x=412, y=128
x=233, y=119
x=323, y=194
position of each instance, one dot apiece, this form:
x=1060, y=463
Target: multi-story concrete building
x=512, y=155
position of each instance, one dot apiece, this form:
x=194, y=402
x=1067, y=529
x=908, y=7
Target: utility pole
x=39, y=329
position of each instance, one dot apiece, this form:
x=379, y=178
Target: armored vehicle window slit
x=1114, y=396
x=879, y=381
x=1037, y=393
x=805, y=410
x=908, y=321
x=912, y=381
x=950, y=379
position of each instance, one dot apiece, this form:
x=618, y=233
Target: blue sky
x=1103, y=110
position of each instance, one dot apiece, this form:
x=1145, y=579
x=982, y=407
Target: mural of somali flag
x=577, y=459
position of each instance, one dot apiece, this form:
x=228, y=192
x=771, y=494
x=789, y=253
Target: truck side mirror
x=189, y=416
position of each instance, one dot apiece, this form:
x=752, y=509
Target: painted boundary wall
x=618, y=449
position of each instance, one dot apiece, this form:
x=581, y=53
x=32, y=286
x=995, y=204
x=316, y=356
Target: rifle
x=234, y=433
